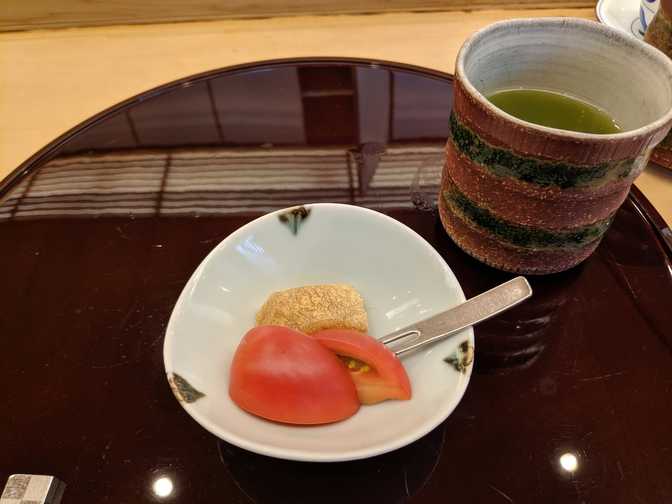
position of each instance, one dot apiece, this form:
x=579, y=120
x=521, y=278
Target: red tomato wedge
x=378, y=373
x=284, y=375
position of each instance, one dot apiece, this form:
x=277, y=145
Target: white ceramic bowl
x=402, y=280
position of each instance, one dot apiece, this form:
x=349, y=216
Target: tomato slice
x=284, y=375
x=378, y=373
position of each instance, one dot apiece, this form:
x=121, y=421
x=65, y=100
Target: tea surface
x=554, y=110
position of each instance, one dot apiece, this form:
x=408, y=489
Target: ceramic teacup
x=659, y=35
x=531, y=199
x=647, y=9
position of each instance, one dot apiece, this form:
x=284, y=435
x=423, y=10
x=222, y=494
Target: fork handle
x=469, y=313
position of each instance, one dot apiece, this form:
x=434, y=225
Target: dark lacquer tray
x=101, y=229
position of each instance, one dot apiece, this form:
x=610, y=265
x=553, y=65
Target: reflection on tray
x=248, y=142
x=216, y=181
x=515, y=339
x=391, y=478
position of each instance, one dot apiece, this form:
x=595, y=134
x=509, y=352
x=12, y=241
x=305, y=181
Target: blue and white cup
x=647, y=9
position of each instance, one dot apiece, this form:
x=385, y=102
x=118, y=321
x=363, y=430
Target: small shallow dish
x=402, y=280
x=623, y=15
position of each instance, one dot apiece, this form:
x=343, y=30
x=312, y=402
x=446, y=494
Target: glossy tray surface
x=570, y=399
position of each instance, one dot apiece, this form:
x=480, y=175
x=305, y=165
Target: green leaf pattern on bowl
x=462, y=358
x=294, y=217
x=183, y=390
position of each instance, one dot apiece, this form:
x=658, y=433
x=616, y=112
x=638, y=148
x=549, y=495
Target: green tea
x=554, y=110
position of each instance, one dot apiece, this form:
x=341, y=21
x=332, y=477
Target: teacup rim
x=655, y=54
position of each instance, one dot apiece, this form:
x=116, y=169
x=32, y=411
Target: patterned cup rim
x=627, y=42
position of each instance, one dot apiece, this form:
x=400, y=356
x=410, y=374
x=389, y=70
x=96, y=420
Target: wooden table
x=50, y=80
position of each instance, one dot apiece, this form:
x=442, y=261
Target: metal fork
x=469, y=313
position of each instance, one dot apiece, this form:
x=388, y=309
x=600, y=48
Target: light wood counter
x=50, y=80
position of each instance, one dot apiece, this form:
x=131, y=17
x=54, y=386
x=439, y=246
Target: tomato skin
x=386, y=380
x=286, y=376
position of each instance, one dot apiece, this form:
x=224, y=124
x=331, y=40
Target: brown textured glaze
x=100, y=231
x=525, y=140
x=530, y=204
x=501, y=255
